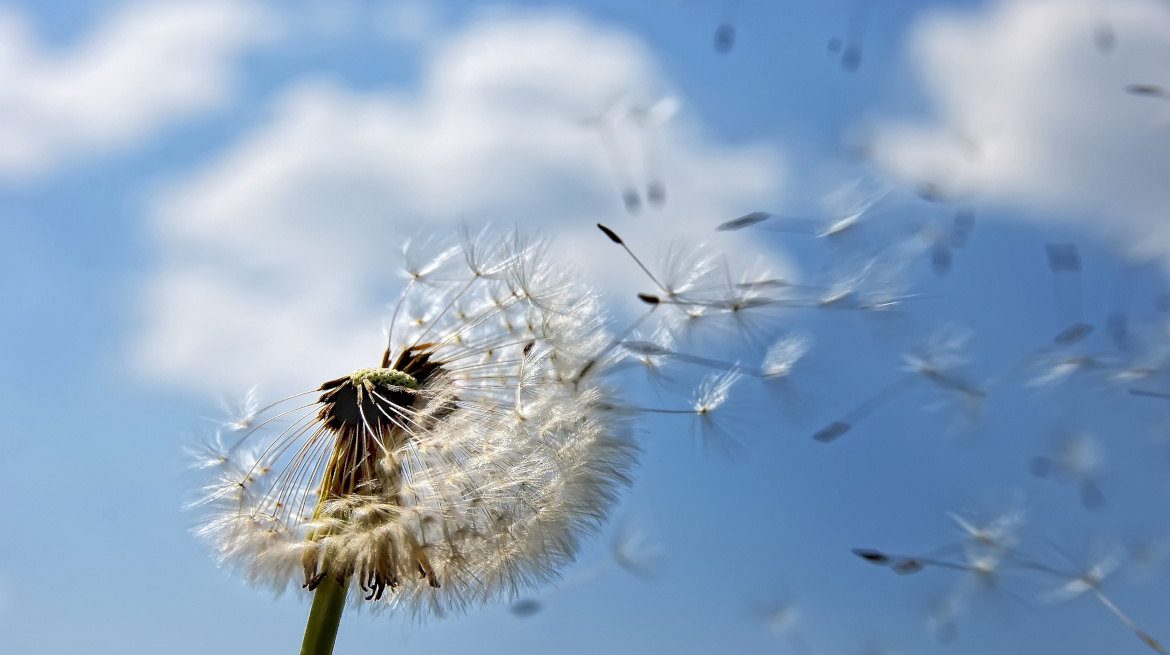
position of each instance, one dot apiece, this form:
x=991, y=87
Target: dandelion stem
x=324, y=617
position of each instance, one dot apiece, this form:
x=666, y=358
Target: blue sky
x=198, y=198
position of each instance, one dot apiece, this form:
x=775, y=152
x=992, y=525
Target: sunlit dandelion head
x=465, y=466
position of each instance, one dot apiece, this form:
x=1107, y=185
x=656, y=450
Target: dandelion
x=464, y=467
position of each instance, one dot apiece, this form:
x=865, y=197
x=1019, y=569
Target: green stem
x=324, y=617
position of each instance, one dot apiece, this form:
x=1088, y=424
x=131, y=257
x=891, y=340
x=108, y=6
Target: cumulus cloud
x=278, y=258
x=148, y=65
x=1030, y=112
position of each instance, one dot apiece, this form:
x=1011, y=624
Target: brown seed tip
x=1150, y=641
x=611, y=234
x=872, y=556
x=649, y=299
x=832, y=431
x=1145, y=90
x=743, y=221
x=1073, y=333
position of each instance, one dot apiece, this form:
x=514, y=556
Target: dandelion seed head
x=466, y=467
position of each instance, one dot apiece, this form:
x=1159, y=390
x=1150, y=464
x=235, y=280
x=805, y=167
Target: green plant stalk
x=324, y=617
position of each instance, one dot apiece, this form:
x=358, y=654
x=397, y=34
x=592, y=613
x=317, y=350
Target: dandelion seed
x=526, y=607
x=608, y=123
x=635, y=550
x=632, y=550
x=241, y=412
x=619, y=124
x=1089, y=580
x=783, y=356
x=855, y=35
x=961, y=228
x=941, y=242
x=698, y=286
x=1104, y=35
x=1150, y=393
x=712, y=393
x=464, y=467
x=936, y=362
x=985, y=552
x=872, y=556
x=997, y=533
x=1076, y=459
x=1064, y=261
x=1056, y=366
x=649, y=119
x=941, y=621
x=1148, y=90
x=783, y=617
x=709, y=397
x=845, y=210
x=743, y=221
x=724, y=39
x=652, y=353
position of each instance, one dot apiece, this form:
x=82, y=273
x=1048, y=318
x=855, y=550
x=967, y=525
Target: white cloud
x=148, y=65
x=278, y=259
x=1030, y=114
